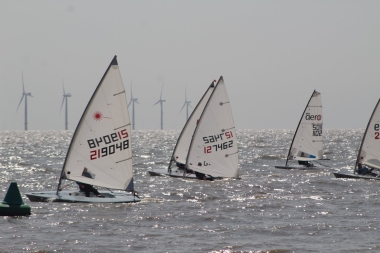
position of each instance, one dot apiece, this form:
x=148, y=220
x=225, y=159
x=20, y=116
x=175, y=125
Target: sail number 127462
x=219, y=146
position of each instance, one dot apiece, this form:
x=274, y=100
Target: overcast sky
x=271, y=54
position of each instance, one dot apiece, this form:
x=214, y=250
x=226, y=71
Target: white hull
x=76, y=196
x=354, y=176
x=178, y=173
x=173, y=173
x=297, y=167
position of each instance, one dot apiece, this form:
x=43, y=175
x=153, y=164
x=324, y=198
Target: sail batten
x=119, y=93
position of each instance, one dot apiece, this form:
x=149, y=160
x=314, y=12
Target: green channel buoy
x=12, y=204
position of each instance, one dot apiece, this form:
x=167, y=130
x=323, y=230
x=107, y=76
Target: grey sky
x=272, y=55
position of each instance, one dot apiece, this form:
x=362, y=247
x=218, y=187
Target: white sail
x=182, y=147
x=213, y=150
x=102, y=140
x=308, y=140
x=369, y=153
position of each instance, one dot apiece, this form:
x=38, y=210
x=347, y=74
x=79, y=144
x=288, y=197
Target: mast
x=162, y=115
x=299, y=123
x=133, y=115
x=66, y=117
x=26, y=112
x=364, y=135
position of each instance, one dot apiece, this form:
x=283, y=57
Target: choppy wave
x=267, y=210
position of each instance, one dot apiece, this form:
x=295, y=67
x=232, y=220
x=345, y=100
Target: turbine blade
x=189, y=105
x=162, y=90
x=20, y=102
x=23, y=88
x=129, y=103
x=182, y=107
x=63, y=86
x=63, y=100
x=157, y=102
x=137, y=101
x=131, y=91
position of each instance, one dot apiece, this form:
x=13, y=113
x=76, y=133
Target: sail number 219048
x=377, y=133
x=101, y=146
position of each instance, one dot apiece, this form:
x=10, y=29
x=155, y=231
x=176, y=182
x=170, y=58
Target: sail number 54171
x=215, y=138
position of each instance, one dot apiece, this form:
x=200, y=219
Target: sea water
x=267, y=210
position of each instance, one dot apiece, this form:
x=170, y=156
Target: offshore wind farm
x=64, y=101
x=132, y=101
x=187, y=104
x=161, y=101
x=268, y=52
x=24, y=97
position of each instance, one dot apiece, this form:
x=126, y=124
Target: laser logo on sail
x=97, y=116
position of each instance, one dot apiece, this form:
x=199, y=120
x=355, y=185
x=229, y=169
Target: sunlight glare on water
x=266, y=210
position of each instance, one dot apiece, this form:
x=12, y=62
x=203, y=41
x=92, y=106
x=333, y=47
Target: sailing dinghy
x=100, y=152
x=367, y=165
x=307, y=144
x=207, y=145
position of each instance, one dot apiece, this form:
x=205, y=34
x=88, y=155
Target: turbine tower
x=65, y=96
x=25, y=94
x=133, y=101
x=162, y=112
x=187, y=103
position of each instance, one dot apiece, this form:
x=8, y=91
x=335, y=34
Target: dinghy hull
x=179, y=174
x=173, y=173
x=295, y=167
x=353, y=176
x=73, y=196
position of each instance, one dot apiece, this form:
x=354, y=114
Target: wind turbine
x=25, y=94
x=65, y=96
x=187, y=103
x=133, y=101
x=162, y=112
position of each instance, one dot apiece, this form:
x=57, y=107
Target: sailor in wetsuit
x=306, y=163
x=362, y=170
x=87, y=188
